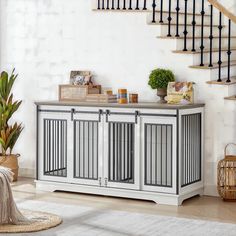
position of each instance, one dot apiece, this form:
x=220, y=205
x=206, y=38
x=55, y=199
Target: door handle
x=107, y=114
x=100, y=115
x=137, y=114
x=72, y=114
x=106, y=181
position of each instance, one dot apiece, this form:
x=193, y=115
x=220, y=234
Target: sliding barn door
x=87, y=146
x=121, y=150
x=159, y=154
x=53, y=145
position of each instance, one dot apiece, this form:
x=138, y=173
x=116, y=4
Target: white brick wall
x=46, y=39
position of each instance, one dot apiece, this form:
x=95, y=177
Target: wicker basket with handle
x=11, y=162
x=226, y=176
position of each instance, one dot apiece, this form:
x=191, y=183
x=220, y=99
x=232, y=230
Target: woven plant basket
x=11, y=162
x=226, y=176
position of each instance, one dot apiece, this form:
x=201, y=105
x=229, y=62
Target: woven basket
x=11, y=162
x=226, y=176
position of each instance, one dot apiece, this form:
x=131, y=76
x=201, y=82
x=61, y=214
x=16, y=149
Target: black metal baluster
x=211, y=36
x=229, y=51
x=161, y=13
x=154, y=11
x=177, y=19
x=194, y=25
x=137, y=5
x=98, y=5
x=145, y=5
x=113, y=5
x=185, y=25
x=108, y=3
x=202, y=34
x=130, y=4
x=124, y=5
x=220, y=41
x=169, y=20
x=118, y=5
x=103, y=4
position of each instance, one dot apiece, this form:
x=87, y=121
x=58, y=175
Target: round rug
x=40, y=221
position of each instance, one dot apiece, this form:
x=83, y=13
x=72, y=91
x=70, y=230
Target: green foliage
x=159, y=78
x=6, y=84
x=8, y=134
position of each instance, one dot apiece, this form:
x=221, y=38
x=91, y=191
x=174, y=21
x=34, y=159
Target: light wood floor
x=205, y=208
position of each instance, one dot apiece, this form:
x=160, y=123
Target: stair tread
x=232, y=98
x=207, y=50
x=215, y=65
x=145, y=11
x=223, y=82
x=181, y=24
x=197, y=37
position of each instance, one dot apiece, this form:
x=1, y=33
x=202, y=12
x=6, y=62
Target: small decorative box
x=133, y=98
x=77, y=92
x=122, y=96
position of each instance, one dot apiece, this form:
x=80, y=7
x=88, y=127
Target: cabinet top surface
x=148, y=105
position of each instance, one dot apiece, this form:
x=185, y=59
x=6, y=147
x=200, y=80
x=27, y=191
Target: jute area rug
x=40, y=221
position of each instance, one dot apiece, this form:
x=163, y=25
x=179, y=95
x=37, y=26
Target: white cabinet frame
x=59, y=121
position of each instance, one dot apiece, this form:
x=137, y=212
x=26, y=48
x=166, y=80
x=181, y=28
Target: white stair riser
x=215, y=57
x=215, y=43
x=224, y=72
x=181, y=18
x=196, y=59
x=164, y=31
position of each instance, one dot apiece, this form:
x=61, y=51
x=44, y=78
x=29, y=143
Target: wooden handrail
x=223, y=9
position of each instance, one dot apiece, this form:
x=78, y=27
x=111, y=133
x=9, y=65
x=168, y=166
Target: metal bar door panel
x=87, y=147
x=53, y=146
x=159, y=154
x=121, y=152
x=191, y=149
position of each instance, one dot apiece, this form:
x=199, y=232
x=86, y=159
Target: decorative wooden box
x=77, y=93
x=101, y=98
x=226, y=183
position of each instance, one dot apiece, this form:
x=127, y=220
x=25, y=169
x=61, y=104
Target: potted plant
x=159, y=79
x=8, y=133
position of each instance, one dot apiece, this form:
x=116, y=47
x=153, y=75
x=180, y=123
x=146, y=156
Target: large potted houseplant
x=9, y=133
x=159, y=79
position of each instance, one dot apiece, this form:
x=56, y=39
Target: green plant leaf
x=159, y=78
x=8, y=134
x=3, y=146
x=11, y=82
x=4, y=85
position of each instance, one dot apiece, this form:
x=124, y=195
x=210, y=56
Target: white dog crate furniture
x=145, y=151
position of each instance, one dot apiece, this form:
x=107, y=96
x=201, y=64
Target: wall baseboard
x=26, y=172
x=211, y=190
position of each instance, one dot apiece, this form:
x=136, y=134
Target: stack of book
x=101, y=98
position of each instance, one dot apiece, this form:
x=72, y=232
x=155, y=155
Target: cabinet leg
x=164, y=200
x=45, y=188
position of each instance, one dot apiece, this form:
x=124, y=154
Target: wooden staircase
x=203, y=29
